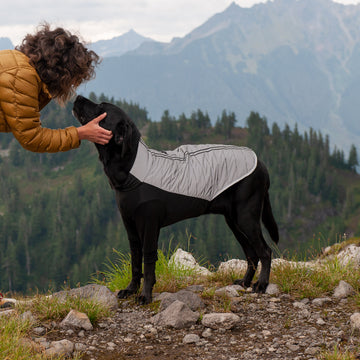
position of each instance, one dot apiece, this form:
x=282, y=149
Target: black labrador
x=146, y=208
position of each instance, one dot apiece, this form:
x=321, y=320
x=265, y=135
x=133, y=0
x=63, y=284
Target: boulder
x=350, y=255
x=187, y=297
x=97, y=293
x=186, y=261
x=178, y=315
x=76, y=319
x=234, y=266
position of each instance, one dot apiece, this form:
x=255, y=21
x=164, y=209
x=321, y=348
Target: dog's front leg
x=150, y=258
x=149, y=282
x=134, y=285
x=136, y=263
x=150, y=216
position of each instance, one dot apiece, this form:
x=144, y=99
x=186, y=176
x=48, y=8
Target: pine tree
x=353, y=158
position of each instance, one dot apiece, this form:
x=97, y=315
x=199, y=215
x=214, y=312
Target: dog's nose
x=79, y=98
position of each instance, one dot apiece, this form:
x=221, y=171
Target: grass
x=15, y=332
x=337, y=354
x=298, y=280
x=306, y=282
x=15, y=343
x=170, y=276
x=12, y=347
x=50, y=308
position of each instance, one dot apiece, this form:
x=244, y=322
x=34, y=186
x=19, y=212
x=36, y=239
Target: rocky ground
x=201, y=323
x=262, y=327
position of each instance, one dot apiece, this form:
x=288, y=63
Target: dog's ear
x=122, y=136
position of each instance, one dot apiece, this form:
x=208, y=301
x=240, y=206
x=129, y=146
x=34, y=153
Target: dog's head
x=125, y=133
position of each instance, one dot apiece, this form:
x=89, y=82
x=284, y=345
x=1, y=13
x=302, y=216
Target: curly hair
x=60, y=59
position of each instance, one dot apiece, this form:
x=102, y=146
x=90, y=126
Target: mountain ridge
x=292, y=61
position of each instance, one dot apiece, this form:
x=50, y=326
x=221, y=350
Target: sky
x=95, y=20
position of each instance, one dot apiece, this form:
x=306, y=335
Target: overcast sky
x=94, y=20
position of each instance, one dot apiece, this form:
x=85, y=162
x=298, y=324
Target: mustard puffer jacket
x=22, y=96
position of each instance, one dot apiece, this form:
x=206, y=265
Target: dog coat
x=201, y=171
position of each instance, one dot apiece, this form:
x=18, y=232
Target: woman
x=48, y=65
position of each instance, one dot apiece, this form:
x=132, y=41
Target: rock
x=292, y=347
x=7, y=313
x=97, y=293
x=207, y=333
x=321, y=301
x=7, y=303
x=28, y=316
x=177, y=315
x=320, y=322
x=229, y=291
x=220, y=320
x=60, y=348
x=187, y=297
x=76, y=319
x=299, y=305
x=186, y=261
x=111, y=346
x=196, y=288
x=350, y=255
x=234, y=266
x=311, y=351
x=191, y=339
x=80, y=347
x=343, y=290
x=272, y=289
x=292, y=264
x=39, y=331
x=355, y=321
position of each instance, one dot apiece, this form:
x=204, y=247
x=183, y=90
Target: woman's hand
x=92, y=131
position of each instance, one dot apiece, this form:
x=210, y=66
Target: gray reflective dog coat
x=201, y=171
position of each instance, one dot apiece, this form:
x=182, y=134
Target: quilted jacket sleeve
x=22, y=113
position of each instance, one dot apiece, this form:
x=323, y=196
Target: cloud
x=103, y=19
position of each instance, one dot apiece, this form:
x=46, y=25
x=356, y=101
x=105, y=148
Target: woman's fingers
x=92, y=131
x=99, y=118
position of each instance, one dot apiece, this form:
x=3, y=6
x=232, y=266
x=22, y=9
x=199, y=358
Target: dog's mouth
x=78, y=117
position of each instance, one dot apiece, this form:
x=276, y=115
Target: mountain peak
x=119, y=45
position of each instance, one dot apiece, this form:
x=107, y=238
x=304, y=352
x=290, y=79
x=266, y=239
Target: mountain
x=119, y=45
x=5, y=43
x=293, y=61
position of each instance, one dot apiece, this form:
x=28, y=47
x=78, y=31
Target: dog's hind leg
x=251, y=256
x=247, y=223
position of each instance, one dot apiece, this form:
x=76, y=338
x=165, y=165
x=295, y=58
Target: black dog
x=148, y=203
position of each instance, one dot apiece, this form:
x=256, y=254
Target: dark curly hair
x=60, y=59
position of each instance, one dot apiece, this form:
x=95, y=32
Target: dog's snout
x=79, y=98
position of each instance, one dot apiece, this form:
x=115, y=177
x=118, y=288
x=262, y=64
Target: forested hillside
x=59, y=221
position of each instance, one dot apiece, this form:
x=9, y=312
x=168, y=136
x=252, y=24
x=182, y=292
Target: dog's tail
x=268, y=219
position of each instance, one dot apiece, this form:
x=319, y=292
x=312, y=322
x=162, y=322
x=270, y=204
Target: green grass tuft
x=50, y=308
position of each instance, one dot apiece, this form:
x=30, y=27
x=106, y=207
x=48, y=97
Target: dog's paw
x=242, y=282
x=124, y=294
x=143, y=299
x=260, y=287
